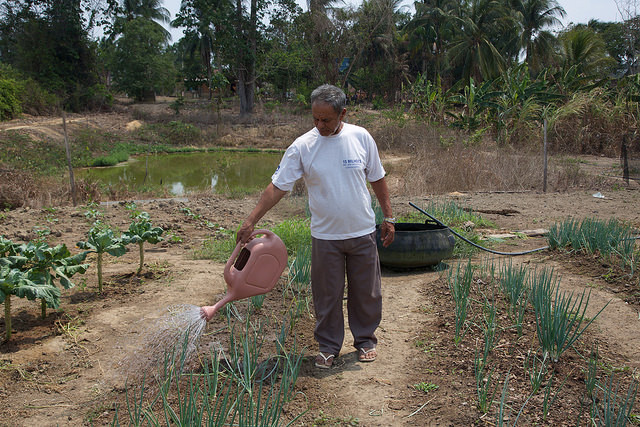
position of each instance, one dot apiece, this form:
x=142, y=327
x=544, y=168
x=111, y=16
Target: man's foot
x=324, y=360
x=367, y=354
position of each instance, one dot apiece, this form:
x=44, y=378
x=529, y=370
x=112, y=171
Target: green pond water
x=220, y=171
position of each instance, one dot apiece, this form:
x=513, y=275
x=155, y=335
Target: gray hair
x=331, y=95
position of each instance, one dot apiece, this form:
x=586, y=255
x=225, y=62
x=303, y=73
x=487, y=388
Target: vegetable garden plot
x=500, y=345
x=418, y=342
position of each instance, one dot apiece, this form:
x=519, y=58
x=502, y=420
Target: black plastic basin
x=416, y=245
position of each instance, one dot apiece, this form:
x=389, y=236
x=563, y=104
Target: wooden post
x=625, y=159
x=544, y=173
x=66, y=147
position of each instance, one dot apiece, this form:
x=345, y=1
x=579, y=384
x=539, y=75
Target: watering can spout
x=209, y=311
x=253, y=269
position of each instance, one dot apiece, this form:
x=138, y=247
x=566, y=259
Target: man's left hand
x=387, y=233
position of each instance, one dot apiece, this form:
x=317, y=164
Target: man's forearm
x=269, y=198
x=382, y=194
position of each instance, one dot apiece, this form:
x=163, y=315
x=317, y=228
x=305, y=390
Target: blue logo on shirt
x=352, y=163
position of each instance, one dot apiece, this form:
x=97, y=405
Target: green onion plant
x=500, y=415
x=485, y=389
x=513, y=282
x=610, y=405
x=536, y=369
x=300, y=268
x=558, y=325
x=460, y=286
x=236, y=388
x=550, y=396
x=609, y=239
x=489, y=325
x=590, y=377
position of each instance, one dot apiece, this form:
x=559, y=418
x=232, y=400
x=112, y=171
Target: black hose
x=476, y=245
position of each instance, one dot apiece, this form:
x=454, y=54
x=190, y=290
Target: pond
x=219, y=171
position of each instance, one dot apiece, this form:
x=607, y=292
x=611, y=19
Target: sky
x=581, y=11
x=578, y=11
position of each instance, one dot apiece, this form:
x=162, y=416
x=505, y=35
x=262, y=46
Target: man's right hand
x=244, y=233
x=270, y=196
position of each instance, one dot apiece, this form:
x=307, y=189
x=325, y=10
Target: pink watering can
x=251, y=270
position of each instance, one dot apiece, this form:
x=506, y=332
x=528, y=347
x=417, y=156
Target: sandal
x=367, y=354
x=324, y=362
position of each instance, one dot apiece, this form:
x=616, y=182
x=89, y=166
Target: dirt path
x=376, y=391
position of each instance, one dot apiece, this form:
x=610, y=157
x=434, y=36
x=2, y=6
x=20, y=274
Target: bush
x=171, y=133
x=182, y=133
x=9, y=102
x=91, y=98
x=111, y=160
x=35, y=100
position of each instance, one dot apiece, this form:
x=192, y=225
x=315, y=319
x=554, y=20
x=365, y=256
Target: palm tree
x=585, y=50
x=151, y=10
x=326, y=38
x=199, y=18
x=430, y=30
x=535, y=17
x=376, y=45
x=479, y=28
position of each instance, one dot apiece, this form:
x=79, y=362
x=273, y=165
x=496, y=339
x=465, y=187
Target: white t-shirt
x=335, y=169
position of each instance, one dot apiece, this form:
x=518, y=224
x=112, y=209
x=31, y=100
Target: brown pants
x=330, y=259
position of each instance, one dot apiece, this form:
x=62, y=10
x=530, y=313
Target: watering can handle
x=239, y=246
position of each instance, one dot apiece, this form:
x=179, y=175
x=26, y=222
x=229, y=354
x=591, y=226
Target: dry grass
x=433, y=160
x=590, y=123
x=22, y=189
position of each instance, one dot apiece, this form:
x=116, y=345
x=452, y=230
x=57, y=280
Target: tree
x=287, y=57
x=246, y=44
x=585, y=50
x=535, y=18
x=473, y=47
x=207, y=32
x=199, y=35
x=430, y=30
x=614, y=38
x=630, y=12
x=149, y=10
x=141, y=67
x=48, y=41
x=375, y=50
x=327, y=34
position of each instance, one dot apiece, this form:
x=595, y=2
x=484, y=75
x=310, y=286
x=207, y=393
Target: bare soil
x=64, y=369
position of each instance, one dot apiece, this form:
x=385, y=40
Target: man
x=336, y=159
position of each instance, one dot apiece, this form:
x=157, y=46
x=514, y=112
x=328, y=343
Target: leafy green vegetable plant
x=102, y=240
x=47, y=263
x=140, y=231
x=425, y=386
x=9, y=282
x=30, y=271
